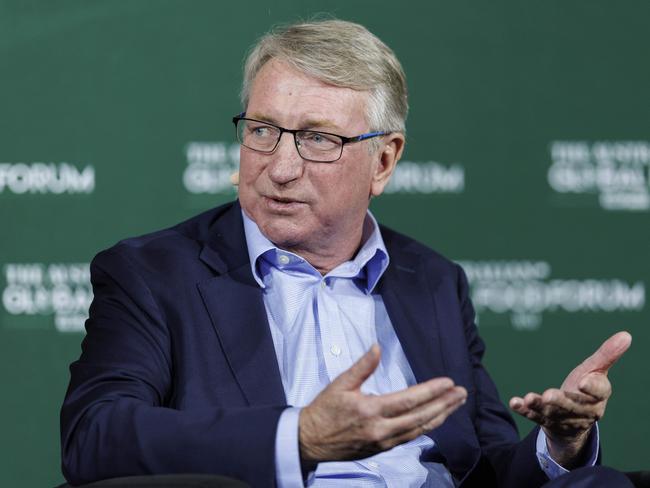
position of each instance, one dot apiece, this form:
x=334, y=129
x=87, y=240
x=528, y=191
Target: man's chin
x=283, y=236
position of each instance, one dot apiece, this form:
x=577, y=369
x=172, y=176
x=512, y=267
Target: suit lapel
x=236, y=308
x=412, y=309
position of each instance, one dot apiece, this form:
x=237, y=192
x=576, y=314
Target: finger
x=420, y=430
x=592, y=393
x=561, y=418
x=519, y=403
x=583, y=398
x=596, y=385
x=528, y=406
x=529, y=403
x=558, y=406
x=516, y=403
x=426, y=418
x=533, y=400
x=394, y=404
x=530, y=414
x=427, y=412
x=353, y=377
x=607, y=354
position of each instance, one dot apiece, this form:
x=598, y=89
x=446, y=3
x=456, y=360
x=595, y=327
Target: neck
x=326, y=256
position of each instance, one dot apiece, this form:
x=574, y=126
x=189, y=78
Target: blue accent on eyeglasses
x=345, y=140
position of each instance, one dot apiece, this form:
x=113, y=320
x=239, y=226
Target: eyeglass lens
x=312, y=145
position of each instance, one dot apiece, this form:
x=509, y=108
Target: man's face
x=302, y=205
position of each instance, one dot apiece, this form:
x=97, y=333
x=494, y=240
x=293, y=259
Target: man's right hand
x=344, y=424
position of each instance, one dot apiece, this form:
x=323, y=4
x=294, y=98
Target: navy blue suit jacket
x=178, y=373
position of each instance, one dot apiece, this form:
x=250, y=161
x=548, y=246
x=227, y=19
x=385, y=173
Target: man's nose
x=286, y=164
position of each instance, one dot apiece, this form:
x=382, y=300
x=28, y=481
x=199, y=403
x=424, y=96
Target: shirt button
x=323, y=284
x=335, y=350
x=373, y=464
x=284, y=259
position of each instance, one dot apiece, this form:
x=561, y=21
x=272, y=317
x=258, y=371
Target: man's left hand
x=567, y=414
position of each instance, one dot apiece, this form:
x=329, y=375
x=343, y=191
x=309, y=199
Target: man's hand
x=567, y=414
x=343, y=424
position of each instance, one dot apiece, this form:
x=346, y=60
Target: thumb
x=608, y=353
x=603, y=359
x=353, y=378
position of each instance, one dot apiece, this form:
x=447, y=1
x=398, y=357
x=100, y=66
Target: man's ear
x=389, y=154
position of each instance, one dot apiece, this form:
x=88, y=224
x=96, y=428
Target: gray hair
x=342, y=54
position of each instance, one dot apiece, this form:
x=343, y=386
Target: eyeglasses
x=317, y=146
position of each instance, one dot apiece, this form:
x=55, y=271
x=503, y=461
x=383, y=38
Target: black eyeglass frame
x=294, y=132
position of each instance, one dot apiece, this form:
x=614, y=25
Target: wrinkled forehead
x=281, y=93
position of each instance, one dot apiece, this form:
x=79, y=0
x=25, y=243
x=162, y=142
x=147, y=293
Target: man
x=287, y=338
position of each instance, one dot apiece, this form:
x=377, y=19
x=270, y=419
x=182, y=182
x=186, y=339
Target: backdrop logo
x=56, y=178
x=618, y=173
x=58, y=290
x=209, y=166
x=427, y=177
x=525, y=292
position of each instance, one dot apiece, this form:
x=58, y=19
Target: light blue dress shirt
x=320, y=326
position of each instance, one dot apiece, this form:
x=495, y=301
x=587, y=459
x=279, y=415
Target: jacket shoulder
x=185, y=238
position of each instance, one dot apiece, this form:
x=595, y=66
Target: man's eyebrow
x=321, y=124
x=306, y=125
x=261, y=118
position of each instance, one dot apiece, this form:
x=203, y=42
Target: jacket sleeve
x=511, y=462
x=115, y=420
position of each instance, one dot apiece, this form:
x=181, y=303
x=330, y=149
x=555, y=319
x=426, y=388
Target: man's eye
x=317, y=138
x=261, y=131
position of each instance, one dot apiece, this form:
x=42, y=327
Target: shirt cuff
x=553, y=469
x=287, y=454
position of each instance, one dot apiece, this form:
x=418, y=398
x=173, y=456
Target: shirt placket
x=335, y=350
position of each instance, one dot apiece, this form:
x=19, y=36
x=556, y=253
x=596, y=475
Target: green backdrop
x=528, y=159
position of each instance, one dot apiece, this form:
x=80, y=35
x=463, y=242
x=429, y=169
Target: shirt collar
x=368, y=264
